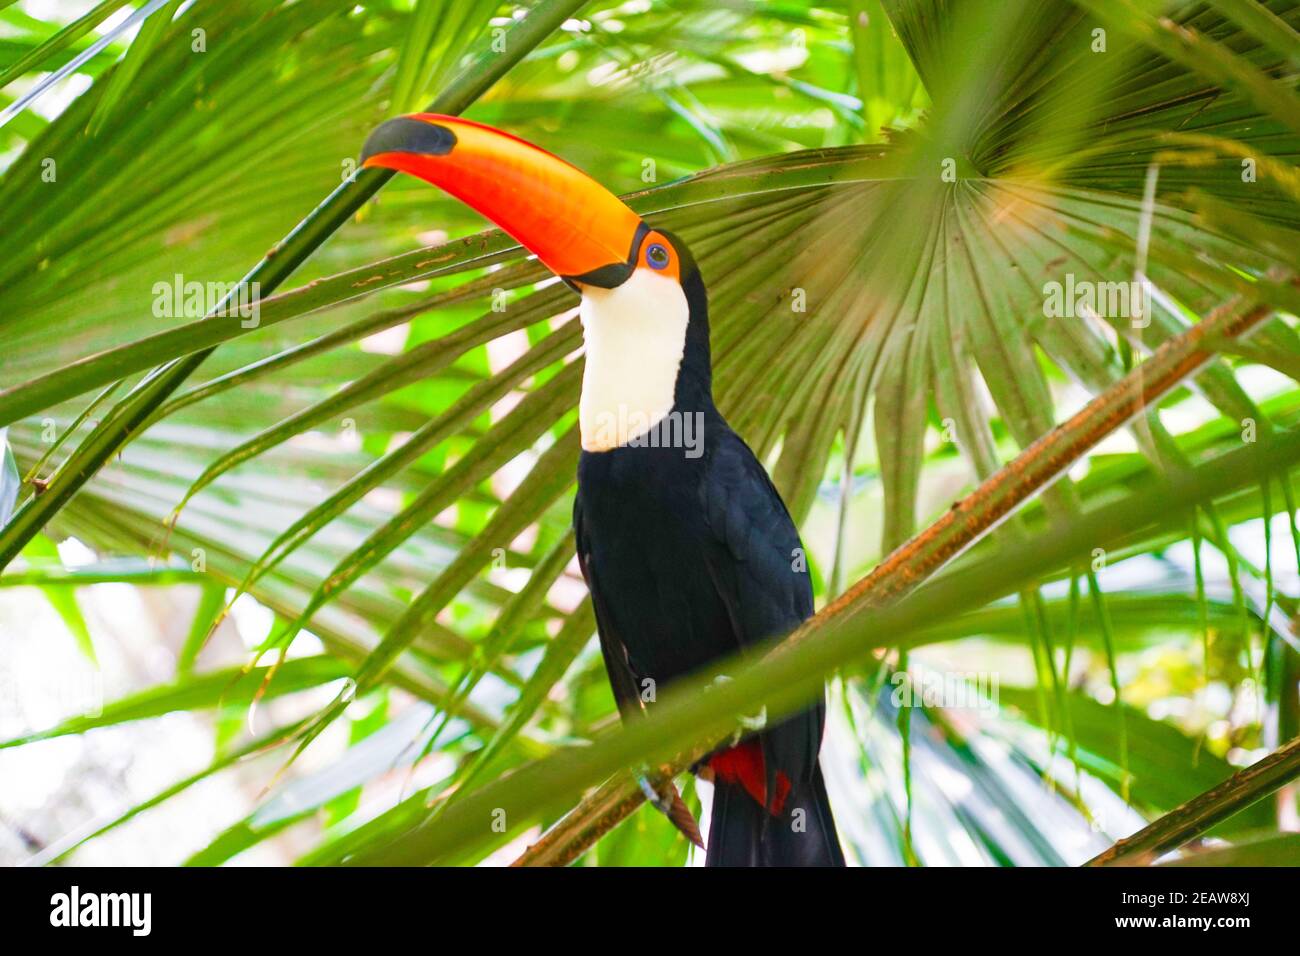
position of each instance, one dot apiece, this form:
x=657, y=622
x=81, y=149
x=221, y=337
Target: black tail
x=744, y=834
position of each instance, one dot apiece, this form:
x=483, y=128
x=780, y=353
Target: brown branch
x=966, y=523
x=607, y=807
x=1202, y=812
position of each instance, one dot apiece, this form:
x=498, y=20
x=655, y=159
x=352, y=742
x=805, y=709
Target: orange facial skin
x=658, y=256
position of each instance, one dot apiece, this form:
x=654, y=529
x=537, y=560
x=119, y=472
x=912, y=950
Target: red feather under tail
x=744, y=764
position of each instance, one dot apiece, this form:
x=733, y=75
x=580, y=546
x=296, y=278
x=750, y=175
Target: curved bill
x=578, y=229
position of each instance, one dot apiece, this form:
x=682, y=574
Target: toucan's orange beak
x=578, y=229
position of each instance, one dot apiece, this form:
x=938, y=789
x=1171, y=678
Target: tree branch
x=1202, y=812
x=966, y=523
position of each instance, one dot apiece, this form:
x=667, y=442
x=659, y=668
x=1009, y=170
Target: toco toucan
x=686, y=547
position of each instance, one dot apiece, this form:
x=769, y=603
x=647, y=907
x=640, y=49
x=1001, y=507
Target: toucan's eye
x=657, y=256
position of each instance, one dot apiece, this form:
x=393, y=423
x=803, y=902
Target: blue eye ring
x=656, y=256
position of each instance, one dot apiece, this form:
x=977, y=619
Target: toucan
x=688, y=551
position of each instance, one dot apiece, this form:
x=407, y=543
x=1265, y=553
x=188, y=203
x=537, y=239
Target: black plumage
x=691, y=558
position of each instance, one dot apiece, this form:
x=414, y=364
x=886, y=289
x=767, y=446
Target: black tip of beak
x=406, y=135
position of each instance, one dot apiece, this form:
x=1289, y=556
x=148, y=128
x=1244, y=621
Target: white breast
x=635, y=337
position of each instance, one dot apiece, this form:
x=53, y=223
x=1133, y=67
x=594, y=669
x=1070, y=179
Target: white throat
x=635, y=335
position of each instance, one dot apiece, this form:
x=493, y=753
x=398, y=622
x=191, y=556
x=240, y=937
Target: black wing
x=762, y=569
x=761, y=573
